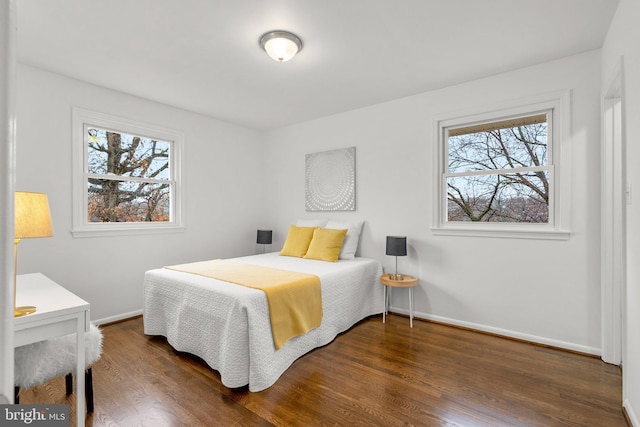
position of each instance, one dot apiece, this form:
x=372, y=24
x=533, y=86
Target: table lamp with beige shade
x=32, y=219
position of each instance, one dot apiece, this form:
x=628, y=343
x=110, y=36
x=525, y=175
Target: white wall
x=623, y=41
x=222, y=172
x=546, y=291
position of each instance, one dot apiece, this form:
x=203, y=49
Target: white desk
x=59, y=312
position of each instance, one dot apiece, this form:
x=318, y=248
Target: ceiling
x=204, y=56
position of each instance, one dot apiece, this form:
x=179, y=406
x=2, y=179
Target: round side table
x=406, y=282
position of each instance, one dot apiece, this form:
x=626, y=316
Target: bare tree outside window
x=129, y=177
x=499, y=172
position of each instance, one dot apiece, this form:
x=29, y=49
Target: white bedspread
x=228, y=325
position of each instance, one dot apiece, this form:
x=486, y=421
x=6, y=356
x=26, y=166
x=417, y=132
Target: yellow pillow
x=297, y=241
x=326, y=244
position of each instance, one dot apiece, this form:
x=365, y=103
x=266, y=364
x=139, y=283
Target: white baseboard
x=479, y=327
x=630, y=413
x=504, y=332
x=117, y=317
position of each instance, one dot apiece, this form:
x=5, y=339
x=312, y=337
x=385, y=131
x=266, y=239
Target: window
x=498, y=173
x=127, y=176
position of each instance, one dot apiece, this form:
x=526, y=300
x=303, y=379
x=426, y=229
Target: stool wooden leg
x=88, y=389
x=68, y=381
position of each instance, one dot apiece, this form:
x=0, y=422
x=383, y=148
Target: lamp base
x=23, y=310
x=396, y=276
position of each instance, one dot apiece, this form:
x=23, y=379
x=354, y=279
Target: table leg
x=384, y=311
x=411, y=307
x=80, y=357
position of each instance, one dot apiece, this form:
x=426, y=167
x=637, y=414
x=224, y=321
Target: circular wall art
x=330, y=180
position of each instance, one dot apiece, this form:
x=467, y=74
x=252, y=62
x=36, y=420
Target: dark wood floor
x=373, y=375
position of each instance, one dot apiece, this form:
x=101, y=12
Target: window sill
x=111, y=230
x=503, y=232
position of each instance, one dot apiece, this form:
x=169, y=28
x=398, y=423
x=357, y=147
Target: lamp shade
x=264, y=237
x=32, y=216
x=397, y=245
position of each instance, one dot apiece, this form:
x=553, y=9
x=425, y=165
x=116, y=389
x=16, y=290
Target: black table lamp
x=264, y=238
x=396, y=246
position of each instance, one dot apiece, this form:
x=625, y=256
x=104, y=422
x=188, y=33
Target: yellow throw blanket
x=295, y=300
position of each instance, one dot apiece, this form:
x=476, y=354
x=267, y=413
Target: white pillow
x=350, y=244
x=311, y=222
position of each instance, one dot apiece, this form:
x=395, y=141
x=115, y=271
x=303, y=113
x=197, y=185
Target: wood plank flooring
x=375, y=374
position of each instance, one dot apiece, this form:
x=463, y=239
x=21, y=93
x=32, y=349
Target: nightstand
x=406, y=282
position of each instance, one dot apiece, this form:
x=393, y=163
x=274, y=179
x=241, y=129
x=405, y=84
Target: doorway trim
x=614, y=197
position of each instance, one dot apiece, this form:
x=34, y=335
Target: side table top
x=406, y=282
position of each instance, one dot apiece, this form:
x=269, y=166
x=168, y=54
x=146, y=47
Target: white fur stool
x=39, y=362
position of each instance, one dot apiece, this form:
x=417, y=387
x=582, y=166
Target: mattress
x=228, y=325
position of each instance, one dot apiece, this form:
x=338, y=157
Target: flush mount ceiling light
x=281, y=45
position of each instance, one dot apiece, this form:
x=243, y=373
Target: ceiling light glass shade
x=281, y=45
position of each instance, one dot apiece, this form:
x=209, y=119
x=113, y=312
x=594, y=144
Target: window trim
x=559, y=160
x=81, y=227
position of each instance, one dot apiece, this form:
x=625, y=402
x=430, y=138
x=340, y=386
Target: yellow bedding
x=294, y=299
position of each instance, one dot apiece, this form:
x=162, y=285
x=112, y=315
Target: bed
x=228, y=326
